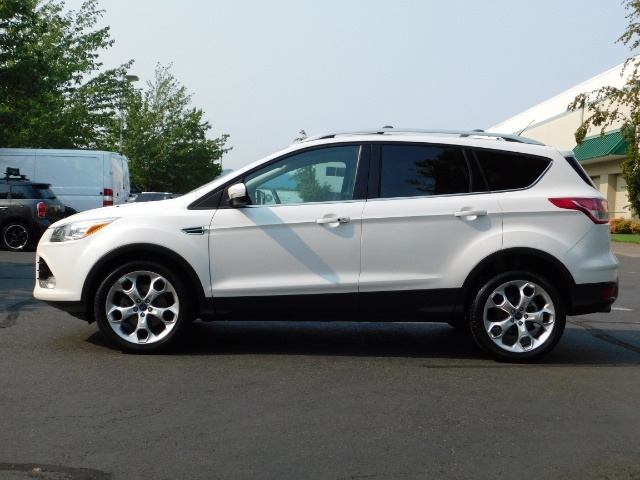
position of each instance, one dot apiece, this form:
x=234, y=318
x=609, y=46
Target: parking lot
x=280, y=400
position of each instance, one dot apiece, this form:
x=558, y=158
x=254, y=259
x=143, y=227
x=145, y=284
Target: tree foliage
x=309, y=188
x=610, y=106
x=165, y=138
x=52, y=94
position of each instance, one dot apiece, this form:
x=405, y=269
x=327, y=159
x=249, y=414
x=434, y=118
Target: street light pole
x=128, y=78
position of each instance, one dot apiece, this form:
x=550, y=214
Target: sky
x=262, y=70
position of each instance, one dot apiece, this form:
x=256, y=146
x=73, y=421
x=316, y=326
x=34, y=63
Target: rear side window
x=39, y=191
x=4, y=191
x=510, y=171
x=417, y=171
x=21, y=192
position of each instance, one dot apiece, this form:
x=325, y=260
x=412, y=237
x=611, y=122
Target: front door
x=297, y=244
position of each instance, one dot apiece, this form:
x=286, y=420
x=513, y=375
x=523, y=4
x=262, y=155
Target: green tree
x=309, y=188
x=165, y=138
x=610, y=106
x=51, y=94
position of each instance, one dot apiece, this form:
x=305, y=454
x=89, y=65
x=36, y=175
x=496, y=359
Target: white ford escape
x=496, y=234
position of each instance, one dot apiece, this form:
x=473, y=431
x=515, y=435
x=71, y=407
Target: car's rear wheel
x=16, y=236
x=517, y=316
x=142, y=306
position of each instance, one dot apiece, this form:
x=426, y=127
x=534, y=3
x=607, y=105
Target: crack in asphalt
x=599, y=334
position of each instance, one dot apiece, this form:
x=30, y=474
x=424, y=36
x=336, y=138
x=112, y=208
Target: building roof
x=610, y=144
x=556, y=106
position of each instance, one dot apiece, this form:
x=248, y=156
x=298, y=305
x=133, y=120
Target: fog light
x=48, y=283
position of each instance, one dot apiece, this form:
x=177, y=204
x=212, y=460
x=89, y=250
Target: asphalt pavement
x=334, y=401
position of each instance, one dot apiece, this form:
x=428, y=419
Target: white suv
x=496, y=234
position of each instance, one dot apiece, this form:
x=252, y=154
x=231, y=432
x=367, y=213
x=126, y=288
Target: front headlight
x=79, y=229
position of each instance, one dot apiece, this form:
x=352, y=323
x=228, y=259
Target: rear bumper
x=593, y=298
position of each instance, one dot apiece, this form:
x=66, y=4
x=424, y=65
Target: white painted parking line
x=622, y=309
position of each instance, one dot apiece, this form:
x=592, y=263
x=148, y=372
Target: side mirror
x=238, y=196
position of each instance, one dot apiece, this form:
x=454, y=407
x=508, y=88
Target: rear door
x=427, y=223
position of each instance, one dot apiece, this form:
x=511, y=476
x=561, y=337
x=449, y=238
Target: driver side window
x=322, y=175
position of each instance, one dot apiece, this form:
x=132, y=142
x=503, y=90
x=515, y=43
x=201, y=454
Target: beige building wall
x=558, y=131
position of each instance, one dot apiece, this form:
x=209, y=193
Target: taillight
x=594, y=208
x=107, y=200
x=42, y=210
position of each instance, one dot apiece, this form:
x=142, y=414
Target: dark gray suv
x=26, y=210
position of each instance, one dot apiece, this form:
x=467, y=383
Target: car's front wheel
x=517, y=316
x=142, y=306
x=16, y=236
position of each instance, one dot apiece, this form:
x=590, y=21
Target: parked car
x=26, y=210
x=154, y=196
x=496, y=234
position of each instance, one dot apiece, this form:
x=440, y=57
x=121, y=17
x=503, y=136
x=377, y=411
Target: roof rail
x=459, y=133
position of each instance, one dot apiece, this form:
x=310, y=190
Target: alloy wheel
x=142, y=307
x=519, y=316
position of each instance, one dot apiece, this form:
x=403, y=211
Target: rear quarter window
x=510, y=171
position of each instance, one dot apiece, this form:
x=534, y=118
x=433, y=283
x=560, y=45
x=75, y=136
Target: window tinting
x=22, y=192
x=4, y=191
x=38, y=191
x=416, y=171
x=510, y=171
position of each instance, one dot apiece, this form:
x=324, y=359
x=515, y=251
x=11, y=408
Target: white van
x=82, y=179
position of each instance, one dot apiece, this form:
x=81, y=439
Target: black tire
x=517, y=316
x=16, y=236
x=142, y=307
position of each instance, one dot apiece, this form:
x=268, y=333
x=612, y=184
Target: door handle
x=325, y=220
x=3, y=208
x=471, y=213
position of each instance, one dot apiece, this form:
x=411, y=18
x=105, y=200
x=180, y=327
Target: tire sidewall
x=476, y=318
x=101, y=297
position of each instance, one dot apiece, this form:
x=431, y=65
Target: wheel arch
x=140, y=252
x=520, y=258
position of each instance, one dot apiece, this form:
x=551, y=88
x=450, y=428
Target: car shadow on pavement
x=579, y=346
